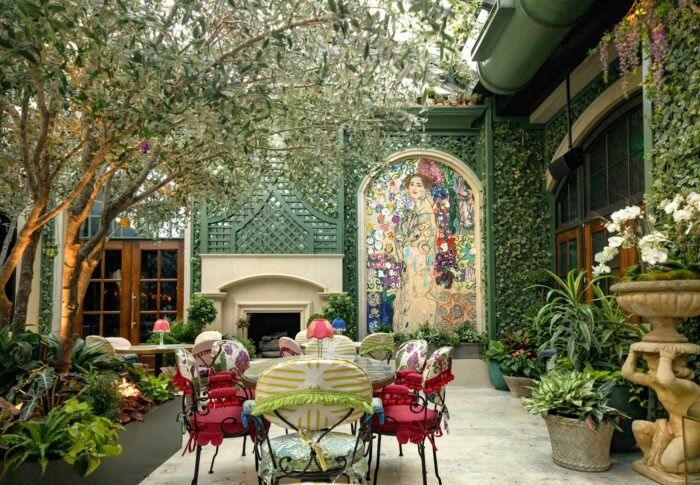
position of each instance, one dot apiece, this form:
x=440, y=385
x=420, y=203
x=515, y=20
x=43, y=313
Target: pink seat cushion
x=406, y=424
x=209, y=426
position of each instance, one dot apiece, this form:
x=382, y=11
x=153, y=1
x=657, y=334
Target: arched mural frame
x=477, y=188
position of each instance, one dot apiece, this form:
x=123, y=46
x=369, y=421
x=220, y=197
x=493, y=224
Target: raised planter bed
x=146, y=445
x=462, y=351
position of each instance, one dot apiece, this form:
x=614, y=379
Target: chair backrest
x=230, y=356
x=187, y=374
x=313, y=394
x=437, y=374
x=202, y=352
x=341, y=346
x=119, y=342
x=208, y=335
x=102, y=343
x=378, y=346
x=301, y=337
x=289, y=347
x=411, y=355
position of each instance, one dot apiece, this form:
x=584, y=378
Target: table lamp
x=339, y=325
x=161, y=326
x=319, y=329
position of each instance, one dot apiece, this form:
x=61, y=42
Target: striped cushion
x=301, y=337
x=341, y=347
x=317, y=374
x=372, y=345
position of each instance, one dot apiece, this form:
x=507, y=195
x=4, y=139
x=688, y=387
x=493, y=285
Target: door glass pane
x=599, y=191
x=597, y=156
x=573, y=262
x=562, y=259
x=111, y=325
x=149, y=295
x=92, y=297
x=149, y=264
x=168, y=261
x=113, y=264
x=617, y=182
x=573, y=197
x=91, y=325
x=112, y=296
x=598, y=242
x=146, y=327
x=636, y=143
x=637, y=173
x=97, y=272
x=617, y=141
x=168, y=295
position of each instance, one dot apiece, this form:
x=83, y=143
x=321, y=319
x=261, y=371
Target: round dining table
x=379, y=372
x=153, y=349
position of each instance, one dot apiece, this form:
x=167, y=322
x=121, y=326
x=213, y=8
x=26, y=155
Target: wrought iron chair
x=422, y=416
x=312, y=398
x=289, y=347
x=209, y=415
x=378, y=346
x=341, y=346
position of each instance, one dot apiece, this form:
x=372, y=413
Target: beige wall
x=241, y=284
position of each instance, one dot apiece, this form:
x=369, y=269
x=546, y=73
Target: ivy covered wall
x=522, y=221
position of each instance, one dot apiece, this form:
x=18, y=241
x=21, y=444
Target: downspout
x=519, y=36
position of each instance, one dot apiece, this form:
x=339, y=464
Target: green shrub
x=19, y=356
x=201, y=312
x=155, y=388
x=518, y=362
x=342, y=306
x=101, y=392
x=573, y=394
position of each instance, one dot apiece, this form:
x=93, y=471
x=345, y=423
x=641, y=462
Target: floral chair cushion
x=186, y=376
x=337, y=449
x=231, y=356
x=202, y=352
x=289, y=347
x=438, y=373
x=341, y=346
x=378, y=346
x=411, y=356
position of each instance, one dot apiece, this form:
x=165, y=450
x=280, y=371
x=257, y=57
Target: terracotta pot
x=664, y=304
x=519, y=386
x=578, y=447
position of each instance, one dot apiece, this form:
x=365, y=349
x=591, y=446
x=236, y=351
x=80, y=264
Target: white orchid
x=616, y=241
x=652, y=240
x=654, y=255
x=607, y=254
x=629, y=213
x=612, y=227
x=601, y=269
x=682, y=215
x=694, y=200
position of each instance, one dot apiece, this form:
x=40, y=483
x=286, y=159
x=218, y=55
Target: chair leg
x=379, y=455
x=421, y=452
x=437, y=474
x=400, y=449
x=211, y=468
x=196, y=465
x=245, y=438
x=369, y=457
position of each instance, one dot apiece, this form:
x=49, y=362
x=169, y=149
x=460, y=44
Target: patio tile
x=491, y=440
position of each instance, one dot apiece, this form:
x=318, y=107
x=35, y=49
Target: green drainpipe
x=519, y=36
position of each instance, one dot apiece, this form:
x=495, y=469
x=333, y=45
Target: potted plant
x=579, y=420
x=518, y=366
x=471, y=342
x=661, y=289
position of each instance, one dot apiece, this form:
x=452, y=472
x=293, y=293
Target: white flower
x=612, y=227
x=682, y=215
x=629, y=213
x=694, y=200
x=606, y=255
x=669, y=207
x=651, y=240
x=601, y=269
x=616, y=241
x=652, y=256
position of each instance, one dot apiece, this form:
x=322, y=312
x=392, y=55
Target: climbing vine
x=46, y=284
x=521, y=222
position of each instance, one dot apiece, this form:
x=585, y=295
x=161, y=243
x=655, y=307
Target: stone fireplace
x=243, y=285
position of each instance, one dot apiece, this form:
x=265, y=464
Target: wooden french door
x=135, y=283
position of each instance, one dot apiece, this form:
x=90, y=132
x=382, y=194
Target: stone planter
x=519, y=386
x=467, y=351
x=665, y=304
x=145, y=446
x=578, y=447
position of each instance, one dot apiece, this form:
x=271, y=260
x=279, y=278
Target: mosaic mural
x=421, y=247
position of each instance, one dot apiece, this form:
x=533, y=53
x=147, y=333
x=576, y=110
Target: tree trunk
x=24, y=289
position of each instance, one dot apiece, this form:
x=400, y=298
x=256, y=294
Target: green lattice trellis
x=276, y=219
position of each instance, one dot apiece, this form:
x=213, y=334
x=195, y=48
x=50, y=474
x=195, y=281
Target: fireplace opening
x=266, y=329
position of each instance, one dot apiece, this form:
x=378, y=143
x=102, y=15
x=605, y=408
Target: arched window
x=611, y=177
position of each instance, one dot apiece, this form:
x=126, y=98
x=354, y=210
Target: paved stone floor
x=492, y=440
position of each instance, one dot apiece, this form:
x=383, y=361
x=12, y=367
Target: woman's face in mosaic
x=416, y=189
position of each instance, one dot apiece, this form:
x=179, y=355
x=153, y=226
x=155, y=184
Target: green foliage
x=20, y=354
x=43, y=390
x=180, y=333
x=517, y=363
x=101, y=392
x=249, y=345
x=572, y=394
x=342, y=306
x=467, y=334
x=521, y=221
x=85, y=358
x=597, y=334
x=434, y=336
x=155, y=388
x=201, y=312
x=70, y=431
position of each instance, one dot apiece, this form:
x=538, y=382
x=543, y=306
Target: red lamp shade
x=161, y=325
x=319, y=328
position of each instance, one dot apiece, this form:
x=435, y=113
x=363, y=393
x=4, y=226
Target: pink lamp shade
x=161, y=325
x=319, y=328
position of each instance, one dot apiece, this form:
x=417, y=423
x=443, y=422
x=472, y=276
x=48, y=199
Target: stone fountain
x=664, y=304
